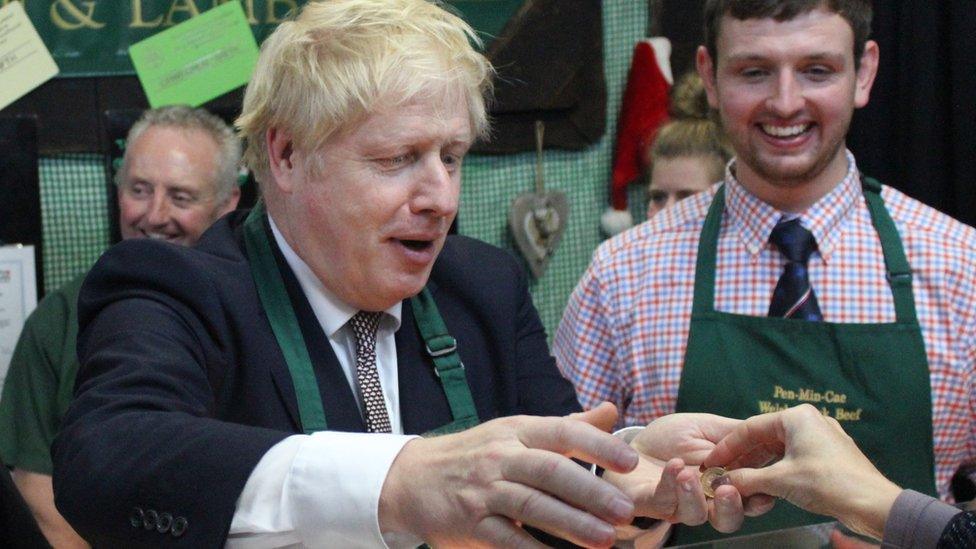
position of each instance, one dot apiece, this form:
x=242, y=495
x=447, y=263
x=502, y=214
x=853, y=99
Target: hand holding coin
x=817, y=467
x=711, y=479
x=667, y=481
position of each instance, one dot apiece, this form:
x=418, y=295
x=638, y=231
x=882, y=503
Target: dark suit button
x=150, y=520
x=165, y=521
x=179, y=526
x=136, y=518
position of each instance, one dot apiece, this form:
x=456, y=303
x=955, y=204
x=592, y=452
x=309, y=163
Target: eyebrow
x=752, y=57
x=168, y=188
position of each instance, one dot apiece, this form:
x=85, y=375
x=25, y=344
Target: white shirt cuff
x=317, y=490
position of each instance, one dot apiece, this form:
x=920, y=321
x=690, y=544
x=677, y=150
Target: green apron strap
x=704, y=300
x=898, y=272
x=442, y=349
x=284, y=323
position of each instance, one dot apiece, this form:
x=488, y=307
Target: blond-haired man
x=265, y=387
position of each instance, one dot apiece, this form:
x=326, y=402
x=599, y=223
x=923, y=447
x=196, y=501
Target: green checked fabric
x=74, y=215
x=490, y=183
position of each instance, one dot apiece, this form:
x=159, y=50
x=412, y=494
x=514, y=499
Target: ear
x=281, y=159
x=231, y=203
x=706, y=70
x=866, y=73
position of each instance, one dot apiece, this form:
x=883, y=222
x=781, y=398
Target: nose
x=158, y=210
x=786, y=99
x=438, y=189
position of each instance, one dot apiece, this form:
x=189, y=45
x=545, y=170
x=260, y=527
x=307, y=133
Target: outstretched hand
x=478, y=487
x=819, y=468
x=666, y=484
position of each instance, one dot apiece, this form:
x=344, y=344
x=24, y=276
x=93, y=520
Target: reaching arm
x=819, y=468
x=155, y=429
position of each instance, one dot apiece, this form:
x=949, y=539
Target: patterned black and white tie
x=370, y=390
x=793, y=296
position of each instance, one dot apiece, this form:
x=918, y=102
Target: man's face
x=168, y=191
x=786, y=92
x=371, y=224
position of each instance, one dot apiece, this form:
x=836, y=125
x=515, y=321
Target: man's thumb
x=750, y=481
x=602, y=417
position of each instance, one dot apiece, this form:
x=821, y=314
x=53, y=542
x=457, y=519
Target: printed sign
x=25, y=62
x=18, y=297
x=92, y=37
x=198, y=60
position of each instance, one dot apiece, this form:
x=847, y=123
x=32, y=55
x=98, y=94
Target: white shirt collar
x=331, y=312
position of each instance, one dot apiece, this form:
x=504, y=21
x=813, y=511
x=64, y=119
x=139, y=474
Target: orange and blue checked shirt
x=624, y=332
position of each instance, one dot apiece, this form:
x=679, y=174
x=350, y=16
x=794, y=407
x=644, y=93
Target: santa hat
x=644, y=109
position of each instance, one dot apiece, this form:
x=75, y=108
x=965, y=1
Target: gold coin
x=711, y=479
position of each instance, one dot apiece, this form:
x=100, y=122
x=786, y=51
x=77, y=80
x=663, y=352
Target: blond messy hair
x=694, y=129
x=337, y=60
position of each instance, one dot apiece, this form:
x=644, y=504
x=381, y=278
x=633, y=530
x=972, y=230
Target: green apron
x=873, y=378
x=441, y=347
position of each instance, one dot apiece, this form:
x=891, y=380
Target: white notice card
x=18, y=297
x=25, y=62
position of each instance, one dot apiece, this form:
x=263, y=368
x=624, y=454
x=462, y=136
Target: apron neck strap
x=284, y=323
x=899, y=273
x=441, y=347
x=704, y=300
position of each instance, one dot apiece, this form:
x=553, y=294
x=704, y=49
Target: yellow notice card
x=25, y=62
x=197, y=60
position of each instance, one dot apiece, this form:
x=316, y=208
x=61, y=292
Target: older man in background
x=178, y=175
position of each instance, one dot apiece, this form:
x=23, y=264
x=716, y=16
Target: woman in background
x=690, y=152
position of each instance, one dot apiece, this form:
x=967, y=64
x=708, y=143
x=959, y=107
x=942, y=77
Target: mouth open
x=786, y=132
x=159, y=236
x=417, y=245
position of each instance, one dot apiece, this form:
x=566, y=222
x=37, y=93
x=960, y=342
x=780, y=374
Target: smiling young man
x=796, y=279
x=178, y=175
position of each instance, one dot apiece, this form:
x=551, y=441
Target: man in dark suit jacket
x=262, y=388
x=225, y=389
x=177, y=338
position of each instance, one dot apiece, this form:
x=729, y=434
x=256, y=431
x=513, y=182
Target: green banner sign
x=92, y=37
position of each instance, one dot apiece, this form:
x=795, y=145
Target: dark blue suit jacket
x=183, y=387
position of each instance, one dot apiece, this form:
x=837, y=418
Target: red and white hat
x=643, y=110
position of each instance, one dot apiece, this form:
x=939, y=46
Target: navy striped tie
x=793, y=296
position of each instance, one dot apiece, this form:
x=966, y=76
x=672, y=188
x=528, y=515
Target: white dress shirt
x=322, y=490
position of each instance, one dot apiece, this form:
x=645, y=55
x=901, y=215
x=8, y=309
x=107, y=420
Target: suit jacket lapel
x=341, y=411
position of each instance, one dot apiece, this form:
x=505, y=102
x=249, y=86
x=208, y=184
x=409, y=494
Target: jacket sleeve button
x=137, y=516
x=165, y=522
x=150, y=519
x=179, y=527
